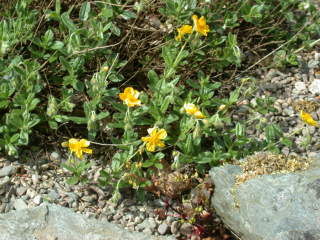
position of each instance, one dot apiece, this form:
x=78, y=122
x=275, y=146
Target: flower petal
x=150, y=130
x=145, y=139
x=87, y=150
x=161, y=144
x=150, y=147
x=162, y=134
x=84, y=143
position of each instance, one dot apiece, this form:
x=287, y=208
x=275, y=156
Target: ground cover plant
x=151, y=85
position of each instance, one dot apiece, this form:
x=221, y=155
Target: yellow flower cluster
x=192, y=110
x=78, y=147
x=199, y=25
x=307, y=118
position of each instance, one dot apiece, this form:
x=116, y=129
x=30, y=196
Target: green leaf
x=107, y=12
x=286, y=141
x=68, y=22
x=53, y=124
x=57, y=45
x=58, y=7
x=78, y=120
x=240, y=130
x=147, y=164
x=73, y=180
x=234, y=96
x=115, y=30
x=126, y=15
x=165, y=104
x=84, y=11
x=67, y=66
x=33, y=122
x=273, y=132
x=158, y=165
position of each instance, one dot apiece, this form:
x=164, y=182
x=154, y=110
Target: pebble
x=175, y=226
x=54, y=156
x=35, y=179
x=37, y=199
x=314, y=87
x=7, y=171
x=21, y=190
x=186, y=229
x=53, y=195
x=163, y=228
x=20, y=204
x=300, y=86
x=4, y=181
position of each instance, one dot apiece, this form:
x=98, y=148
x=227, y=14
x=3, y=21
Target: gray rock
x=21, y=190
x=314, y=87
x=48, y=222
x=53, y=195
x=300, y=86
x=313, y=63
x=163, y=228
x=269, y=207
x=148, y=223
x=54, y=156
x=20, y=204
x=175, y=227
x=37, y=199
x=186, y=229
x=7, y=171
x=4, y=181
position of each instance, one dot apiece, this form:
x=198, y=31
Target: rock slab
x=52, y=222
x=269, y=207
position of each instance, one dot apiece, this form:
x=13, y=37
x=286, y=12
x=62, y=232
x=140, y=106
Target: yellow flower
x=200, y=25
x=307, y=118
x=192, y=110
x=185, y=29
x=78, y=146
x=154, y=138
x=130, y=97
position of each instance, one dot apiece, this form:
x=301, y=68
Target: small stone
x=35, y=179
x=147, y=231
x=137, y=220
x=313, y=63
x=7, y=171
x=54, y=156
x=21, y=190
x=186, y=229
x=88, y=198
x=117, y=217
x=300, y=86
x=170, y=219
x=163, y=228
x=101, y=204
x=37, y=199
x=314, y=87
x=31, y=193
x=127, y=203
x=285, y=151
x=19, y=204
x=4, y=181
x=53, y=195
x=175, y=227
